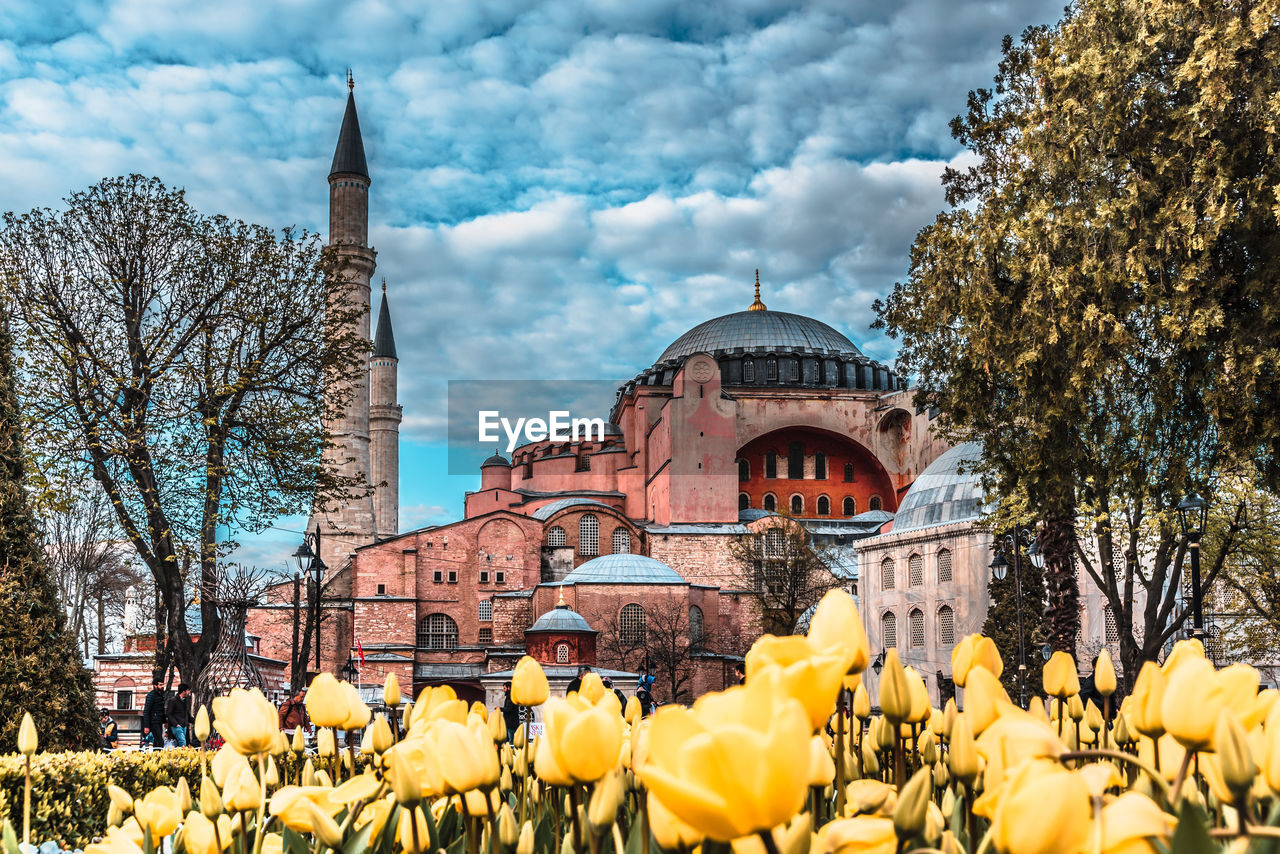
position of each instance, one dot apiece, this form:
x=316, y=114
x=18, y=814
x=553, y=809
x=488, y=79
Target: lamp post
x=1000, y=570
x=1193, y=513
x=308, y=558
x=350, y=671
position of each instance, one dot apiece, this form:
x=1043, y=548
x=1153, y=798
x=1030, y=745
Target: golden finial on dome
x=757, y=305
x=560, y=603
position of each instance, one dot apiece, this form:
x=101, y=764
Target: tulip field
x=794, y=761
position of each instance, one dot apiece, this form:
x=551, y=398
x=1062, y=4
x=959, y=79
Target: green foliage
x=1002, y=625
x=40, y=667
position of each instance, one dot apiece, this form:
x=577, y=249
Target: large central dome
x=760, y=332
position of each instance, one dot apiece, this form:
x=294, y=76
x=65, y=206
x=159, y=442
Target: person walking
x=608, y=684
x=293, y=712
x=178, y=715
x=153, y=716
x=109, y=730
x=575, y=683
x=510, y=712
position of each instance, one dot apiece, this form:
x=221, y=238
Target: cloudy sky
x=559, y=189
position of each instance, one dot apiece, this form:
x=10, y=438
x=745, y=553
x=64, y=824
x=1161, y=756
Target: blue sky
x=559, y=188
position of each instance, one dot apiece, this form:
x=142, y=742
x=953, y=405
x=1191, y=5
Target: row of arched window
x=915, y=570
x=632, y=625
x=945, y=628
x=795, y=465
x=589, y=537
x=848, y=507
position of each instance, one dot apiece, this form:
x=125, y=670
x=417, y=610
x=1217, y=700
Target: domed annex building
x=583, y=552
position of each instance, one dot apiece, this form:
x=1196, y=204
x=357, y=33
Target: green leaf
x=294, y=843
x=1192, y=833
x=635, y=838
x=10, y=839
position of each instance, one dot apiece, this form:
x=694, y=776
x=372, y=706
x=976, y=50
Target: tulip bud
x=861, y=703
x=498, y=729
x=120, y=798
x=795, y=837
x=281, y=744
x=183, y=791
x=323, y=779
x=299, y=743
x=928, y=749
x=949, y=844
x=382, y=739
x=505, y=782
x=27, y=739
x=309, y=773
x=518, y=739
x=323, y=826
x=529, y=683
x=870, y=764
x=506, y=755
x=391, y=690
x=632, y=711
x=507, y=832
x=566, y=847
x=1060, y=677
x=1234, y=756
x=406, y=719
x=201, y=728
x=913, y=804
x=948, y=803
x=1104, y=674
x=326, y=745
x=895, y=689
x=1093, y=717
x=1121, y=732
x=605, y=800
x=948, y=717
x=210, y=799
x=405, y=785
x=940, y=775
x=1075, y=708
x=525, y=843
x=1148, y=701
x=963, y=755
x=273, y=773
x=115, y=817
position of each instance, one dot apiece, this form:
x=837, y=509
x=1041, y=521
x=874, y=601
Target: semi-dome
x=624, y=569
x=944, y=494
x=496, y=460
x=761, y=332
x=562, y=618
x=546, y=511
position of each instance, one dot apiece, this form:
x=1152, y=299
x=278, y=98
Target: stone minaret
x=351, y=524
x=384, y=425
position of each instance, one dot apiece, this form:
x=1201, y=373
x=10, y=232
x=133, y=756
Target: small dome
x=546, y=511
x=624, y=569
x=561, y=619
x=760, y=332
x=496, y=460
x=942, y=494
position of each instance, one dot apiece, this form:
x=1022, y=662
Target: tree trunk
x=1062, y=610
x=102, y=623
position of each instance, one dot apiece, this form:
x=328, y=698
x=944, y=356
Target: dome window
x=631, y=625
x=886, y=575
x=562, y=653
x=850, y=506
x=771, y=370
x=915, y=569
x=875, y=503
x=486, y=611
x=437, y=631
x=944, y=566
x=748, y=371
x=588, y=535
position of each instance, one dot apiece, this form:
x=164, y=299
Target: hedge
x=69, y=798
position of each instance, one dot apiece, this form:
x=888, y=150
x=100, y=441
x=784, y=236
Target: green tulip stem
x=987, y=839
x=413, y=829
x=770, y=846
x=493, y=820
x=1176, y=797
x=1152, y=773
x=839, y=755
x=26, y=805
x=1250, y=830
x=644, y=821
x=970, y=820
x=262, y=804
x=573, y=807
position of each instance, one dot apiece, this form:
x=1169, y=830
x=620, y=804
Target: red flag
x=360, y=652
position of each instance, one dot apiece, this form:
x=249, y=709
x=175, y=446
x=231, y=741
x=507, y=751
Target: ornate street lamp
x=308, y=559
x=1000, y=570
x=1193, y=514
x=878, y=664
x=349, y=671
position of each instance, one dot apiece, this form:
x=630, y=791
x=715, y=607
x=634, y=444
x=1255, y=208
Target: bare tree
x=787, y=567
x=190, y=361
x=667, y=641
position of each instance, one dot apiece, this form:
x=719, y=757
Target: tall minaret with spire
x=384, y=425
x=351, y=524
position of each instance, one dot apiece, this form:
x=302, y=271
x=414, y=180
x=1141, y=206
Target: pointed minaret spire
x=348, y=157
x=384, y=340
x=757, y=305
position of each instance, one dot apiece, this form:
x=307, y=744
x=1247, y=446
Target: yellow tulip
x=273, y=843
x=117, y=841
x=326, y=701
x=358, y=713
x=1013, y=740
x=1104, y=674
x=1060, y=677
x=326, y=742
x=1183, y=651
x=860, y=835
x=631, y=713
x=975, y=651
x=1131, y=818
x=508, y=835
x=158, y=811
x=293, y=806
x=199, y=835
x=822, y=769
x=1100, y=776
x=467, y=758
x=122, y=800
x=836, y=629
x=592, y=687
x=1234, y=756
x=805, y=673
x=912, y=808
x=391, y=690
x=498, y=729
x=27, y=739
x=1043, y=809
x=201, y=727
x=984, y=697
x=1192, y=700
x=525, y=844
x=606, y=797
x=895, y=689
x=381, y=736
x=242, y=791
x=672, y=833
x=478, y=709
x=323, y=826
x=246, y=720
x=529, y=684
x=919, y=694
x=585, y=740
x=962, y=758
x=735, y=764
x=1147, y=701
x=870, y=797
x=861, y=703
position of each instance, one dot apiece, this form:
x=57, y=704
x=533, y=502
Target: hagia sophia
x=573, y=551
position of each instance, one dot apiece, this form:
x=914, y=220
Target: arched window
x=889, y=628
x=795, y=461
x=886, y=574
x=771, y=369
x=437, y=631
x=824, y=505
x=946, y=626
x=916, y=620
x=631, y=625
x=944, y=566
x=770, y=464
x=1109, y=625
x=744, y=470
x=850, y=506
x=915, y=570
x=820, y=466
x=588, y=535
x=744, y=501
x=748, y=371
x=621, y=541
x=555, y=537
x=770, y=502
x=797, y=504
x=486, y=610
x=875, y=503
x=695, y=626
x=773, y=543
x=848, y=472
x=562, y=653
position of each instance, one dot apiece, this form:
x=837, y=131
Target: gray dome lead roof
x=943, y=494
x=760, y=331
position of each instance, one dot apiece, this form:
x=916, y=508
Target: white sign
x=557, y=427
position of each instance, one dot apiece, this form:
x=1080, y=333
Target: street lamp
x=308, y=558
x=878, y=664
x=1193, y=513
x=1000, y=570
x=350, y=671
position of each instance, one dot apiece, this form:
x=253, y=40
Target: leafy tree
x=789, y=568
x=186, y=361
x=1072, y=309
x=40, y=667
